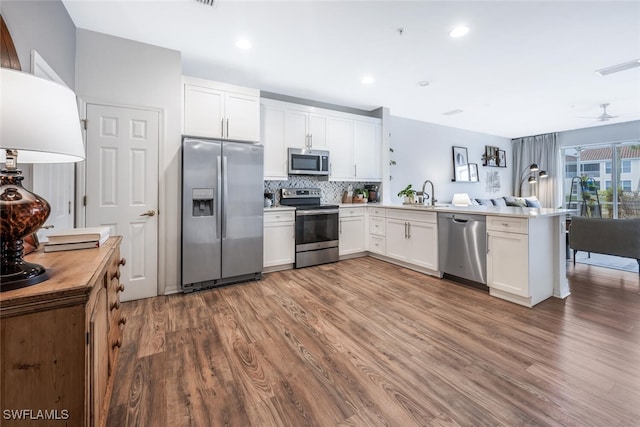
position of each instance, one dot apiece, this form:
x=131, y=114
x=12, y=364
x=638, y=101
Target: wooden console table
x=60, y=340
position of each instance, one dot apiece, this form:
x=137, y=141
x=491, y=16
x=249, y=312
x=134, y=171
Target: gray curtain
x=544, y=151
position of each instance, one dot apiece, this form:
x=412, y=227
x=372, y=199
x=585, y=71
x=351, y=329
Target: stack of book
x=77, y=238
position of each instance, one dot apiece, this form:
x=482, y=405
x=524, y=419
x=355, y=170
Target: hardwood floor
x=366, y=343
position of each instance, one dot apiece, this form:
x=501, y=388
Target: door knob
x=149, y=213
x=47, y=227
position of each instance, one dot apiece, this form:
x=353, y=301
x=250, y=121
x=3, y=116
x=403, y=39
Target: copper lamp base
x=21, y=213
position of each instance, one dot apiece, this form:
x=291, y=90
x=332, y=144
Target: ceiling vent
x=208, y=2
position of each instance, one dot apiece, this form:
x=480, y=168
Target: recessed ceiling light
x=459, y=31
x=619, y=67
x=367, y=80
x=243, y=44
x=423, y=83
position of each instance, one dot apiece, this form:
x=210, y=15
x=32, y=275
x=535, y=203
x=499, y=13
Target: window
x=625, y=166
x=607, y=168
x=607, y=185
x=625, y=184
x=590, y=169
x=571, y=170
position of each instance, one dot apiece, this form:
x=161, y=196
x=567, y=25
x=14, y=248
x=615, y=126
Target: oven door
x=316, y=229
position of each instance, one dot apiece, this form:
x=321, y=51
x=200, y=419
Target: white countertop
x=279, y=209
x=483, y=210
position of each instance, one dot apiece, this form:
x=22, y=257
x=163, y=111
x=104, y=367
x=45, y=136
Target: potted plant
x=361, y=194
x=408, y=194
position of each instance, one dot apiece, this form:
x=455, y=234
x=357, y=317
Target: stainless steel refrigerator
x=222, y=212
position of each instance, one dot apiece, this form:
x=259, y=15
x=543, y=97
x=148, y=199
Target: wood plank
x=386, y=346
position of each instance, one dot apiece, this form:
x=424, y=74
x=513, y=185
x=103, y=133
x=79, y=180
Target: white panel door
x=55, y=183
x=423, y=244
x=296, y=132
x=318, y=131
x=122, y=189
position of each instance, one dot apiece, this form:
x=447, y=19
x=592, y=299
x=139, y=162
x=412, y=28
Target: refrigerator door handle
x=225, y=194
x=219, y=201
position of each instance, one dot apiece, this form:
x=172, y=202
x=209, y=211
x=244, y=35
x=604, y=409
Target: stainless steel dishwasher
x=463, y=246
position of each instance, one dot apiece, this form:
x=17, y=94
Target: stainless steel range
x=316, y=226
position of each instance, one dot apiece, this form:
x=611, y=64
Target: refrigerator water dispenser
x=202, y=199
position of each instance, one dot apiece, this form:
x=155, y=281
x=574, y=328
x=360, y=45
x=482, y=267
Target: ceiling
x=524, y=68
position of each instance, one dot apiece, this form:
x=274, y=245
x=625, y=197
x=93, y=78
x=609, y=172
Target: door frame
x=81, y=183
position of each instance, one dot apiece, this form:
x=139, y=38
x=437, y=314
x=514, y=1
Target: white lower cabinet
x=412, y=237
x=508, y=262
x=279, y=238
x=377, y=231
x=514, y=245
x=351, y=231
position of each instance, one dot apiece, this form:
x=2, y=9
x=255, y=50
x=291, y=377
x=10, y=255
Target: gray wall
x=46, y=27
x=423, y=151
x=116, y=71
x=601, y=134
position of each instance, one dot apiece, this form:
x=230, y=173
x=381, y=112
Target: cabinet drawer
x=377, y=211
x=351, y=212
x=284, y=216
x=508, y=224
x=376, y=226
x=377, y=244
x=410, y=215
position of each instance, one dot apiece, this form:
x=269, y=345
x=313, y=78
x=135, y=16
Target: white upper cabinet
x=219, y=110
x=305, y=128
x=354, y=142
x=367, y=150
x=275, y=148
x=340, y=136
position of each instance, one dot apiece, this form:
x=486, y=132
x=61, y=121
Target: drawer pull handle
x=115, y=306
x=506, y=224
x=122, y=262
x=120, y=288
x=117, y=343
x=122, y=320
x=115, y=275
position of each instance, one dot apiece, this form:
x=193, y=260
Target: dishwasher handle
x=460, y=221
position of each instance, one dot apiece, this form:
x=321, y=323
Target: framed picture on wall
x=502, y=158
x=460, y=164
x=473, y=172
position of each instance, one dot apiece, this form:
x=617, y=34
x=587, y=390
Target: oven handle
x=317, y=212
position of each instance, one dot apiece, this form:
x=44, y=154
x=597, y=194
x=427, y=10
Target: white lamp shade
x=39, y=118
x=461, y=199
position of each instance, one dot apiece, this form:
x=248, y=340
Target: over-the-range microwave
x=308, y=162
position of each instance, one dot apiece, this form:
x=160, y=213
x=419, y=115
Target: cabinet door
x=340, y=137
x=351, y=235
x=367, y=146
x=396, y=239
x=203, y=111
x=98, y=355
x=423, y=245
x=279, y=244
x=508, y=262
x=296, y=132
x=242, y=117
x=275, y=149
x=317, y=129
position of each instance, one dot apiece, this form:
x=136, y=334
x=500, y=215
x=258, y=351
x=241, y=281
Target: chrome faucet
x=433, y=193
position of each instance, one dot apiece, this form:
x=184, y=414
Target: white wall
x=46, y=27
x=116, y=71
x=424, y=151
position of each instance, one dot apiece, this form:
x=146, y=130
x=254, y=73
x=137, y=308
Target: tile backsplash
x=331, y=190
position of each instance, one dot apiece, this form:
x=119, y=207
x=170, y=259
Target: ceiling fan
x=602, y=117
